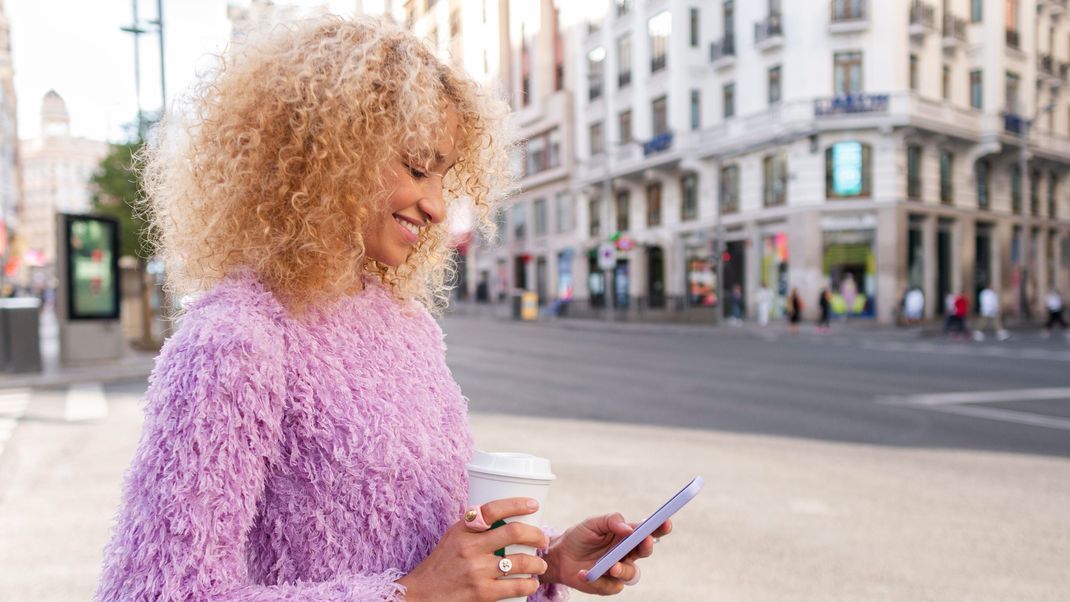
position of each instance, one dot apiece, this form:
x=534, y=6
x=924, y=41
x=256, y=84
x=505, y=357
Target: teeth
x=409, y=225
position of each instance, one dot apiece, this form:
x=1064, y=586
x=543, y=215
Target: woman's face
x=415, y=201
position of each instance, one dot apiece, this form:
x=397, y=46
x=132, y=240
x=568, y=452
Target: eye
x=416, y=173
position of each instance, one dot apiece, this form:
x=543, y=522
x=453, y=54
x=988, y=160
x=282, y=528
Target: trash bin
x=518, y=304
x=20, y=338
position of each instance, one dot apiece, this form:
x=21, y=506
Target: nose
x=433, y=203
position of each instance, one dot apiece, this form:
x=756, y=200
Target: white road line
x=85, y=401
x=13, y=404
x=941, y=399
x=1006, y=416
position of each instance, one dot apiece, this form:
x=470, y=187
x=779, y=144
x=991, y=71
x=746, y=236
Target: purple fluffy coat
x=285, y=459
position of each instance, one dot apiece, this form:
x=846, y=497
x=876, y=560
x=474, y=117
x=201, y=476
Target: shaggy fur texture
x=319, y=459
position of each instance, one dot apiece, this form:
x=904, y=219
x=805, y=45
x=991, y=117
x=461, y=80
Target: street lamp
x=1023, y=159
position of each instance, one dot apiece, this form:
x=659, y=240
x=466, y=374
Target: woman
x=794, y=310
x=304, y=439
x=824, y=302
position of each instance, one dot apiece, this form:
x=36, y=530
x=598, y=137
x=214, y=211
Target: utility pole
x=163, y=74
x=136, y=30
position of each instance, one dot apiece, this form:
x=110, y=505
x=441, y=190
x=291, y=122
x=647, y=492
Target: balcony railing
x=848, y=10
x=954, y=28
x=768, y=28
x=1012, y=38
x=1013, y=123
x=922, y=15
x=723, y=48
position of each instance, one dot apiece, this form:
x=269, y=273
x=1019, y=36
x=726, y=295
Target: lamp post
x=1023, y=165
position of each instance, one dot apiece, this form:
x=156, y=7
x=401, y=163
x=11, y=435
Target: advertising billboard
x=91, y=246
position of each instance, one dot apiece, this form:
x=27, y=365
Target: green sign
x=847, y=168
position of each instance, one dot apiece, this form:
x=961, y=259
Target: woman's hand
x=463, y=565
x=576, y=551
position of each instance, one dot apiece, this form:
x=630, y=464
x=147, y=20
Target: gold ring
x=470, y=515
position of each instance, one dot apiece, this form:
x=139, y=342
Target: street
x=855, y=466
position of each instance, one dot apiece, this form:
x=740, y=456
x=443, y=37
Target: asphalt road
x=873, y=387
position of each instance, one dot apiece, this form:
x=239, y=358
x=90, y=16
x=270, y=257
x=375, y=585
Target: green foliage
x=116, y=187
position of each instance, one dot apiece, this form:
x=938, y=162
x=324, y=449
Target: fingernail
x=533, y=505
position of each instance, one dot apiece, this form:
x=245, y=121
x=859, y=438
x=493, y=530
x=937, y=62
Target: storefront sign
x=851, y=103
x=657, y=144
x=607, y=256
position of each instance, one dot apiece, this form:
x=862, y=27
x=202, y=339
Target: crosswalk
x=81, y=402
x=13, y=404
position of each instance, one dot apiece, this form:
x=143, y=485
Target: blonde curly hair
x=280, y=157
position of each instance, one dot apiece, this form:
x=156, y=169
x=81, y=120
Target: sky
x=76, y=48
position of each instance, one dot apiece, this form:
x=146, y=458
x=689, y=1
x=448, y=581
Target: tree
x=116, y=190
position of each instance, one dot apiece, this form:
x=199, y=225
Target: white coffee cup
x=494, y=476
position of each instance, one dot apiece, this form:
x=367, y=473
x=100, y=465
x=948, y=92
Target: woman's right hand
x=463, y=565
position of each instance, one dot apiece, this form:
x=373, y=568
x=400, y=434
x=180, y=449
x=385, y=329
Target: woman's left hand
x=574, y=552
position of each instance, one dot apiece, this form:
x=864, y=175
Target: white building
x=56, y=172
x=10, y=183
x=827, y=142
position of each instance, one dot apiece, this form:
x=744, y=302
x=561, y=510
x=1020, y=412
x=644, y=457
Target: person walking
x=736, y=305
x=989, y=313
x=794, y=311
x=765, y=305
x=849, y=292
x=303, y=436
x=960, y=309
x=824, y=301
x=1054, y=304
x=913, y=305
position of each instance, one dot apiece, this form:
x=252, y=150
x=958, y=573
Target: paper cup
x=494, y=476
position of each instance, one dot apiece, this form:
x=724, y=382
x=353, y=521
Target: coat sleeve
x=212, y=427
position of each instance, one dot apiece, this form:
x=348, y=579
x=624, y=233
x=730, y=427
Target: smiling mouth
x=408, y=227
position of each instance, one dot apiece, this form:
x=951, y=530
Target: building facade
x=857, y=146
x=57, y=168
x=12, y=243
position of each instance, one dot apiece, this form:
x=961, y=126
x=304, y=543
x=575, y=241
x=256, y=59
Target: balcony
x=1014, y=123
x=954, y=33
x=922, y=19
x=723, y=52
x=848, y=16
x=769, y=33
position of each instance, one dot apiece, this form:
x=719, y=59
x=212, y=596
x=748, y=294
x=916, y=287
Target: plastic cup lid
x=508, y=464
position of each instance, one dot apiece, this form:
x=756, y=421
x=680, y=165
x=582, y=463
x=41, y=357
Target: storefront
x=655, y=277
x=564, y=275
x=774, y=271
x=596, y=281
x=849, y=267
x=621, y=284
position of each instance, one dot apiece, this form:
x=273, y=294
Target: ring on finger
x=473, y=519
x=505, y=565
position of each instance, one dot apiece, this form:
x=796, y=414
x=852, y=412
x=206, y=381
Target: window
x=914, y=172
x=563, y=213
x=913, y=72
x=519, y=221
x=729, y=100
x=659, y=111
x=595, y=64
x=623, y=7
x=624, y=208
x=774, y=179
x=1034, y=192
x=653, y=204
x=689, y=194
x=945, y=84
x=694, y=27
x=525, y=68
x=977, y=10
x=848, y=10
x=542, y=152
x=1010, y=8
x=774, y=85
x=559, y=52
x=976, y=90
x=847, y=68
x=659, y=28
x=1016, y=189
x=729, y=16
x=1053, y=184
x=540, y=217
x=594, y=212
x=624, y=122
x=729, y=201
x=1011, y=92
x=848, y=170
x=624, y=61
x=598, y=138
x=696, y=108
x=947, y=173
x=981, y=173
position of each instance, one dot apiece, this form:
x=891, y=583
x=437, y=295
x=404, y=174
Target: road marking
x=962, y=403
x=938, y=399
x=13, y=404
x=85, y=401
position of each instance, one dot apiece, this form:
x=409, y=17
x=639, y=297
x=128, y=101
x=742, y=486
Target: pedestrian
x=960, y=309
x=765, y=305
x=303, y=438
x=913, y=305
x=1054, y=303
x=988, y=301
x=736, y=305
x=849, y=292
x=949, y=313
x=824, y=301
x=794, y=310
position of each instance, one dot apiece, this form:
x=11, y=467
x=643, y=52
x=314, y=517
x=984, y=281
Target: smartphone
x=645, y=528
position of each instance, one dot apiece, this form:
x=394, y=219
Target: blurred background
x=817, y=251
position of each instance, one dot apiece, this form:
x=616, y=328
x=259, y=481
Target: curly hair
x=278, y=162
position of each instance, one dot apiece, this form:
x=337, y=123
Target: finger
x=515, y=533
x=663, y=530
x=523, y=564
x=643, y=550
x=603, y=586
x=504, y=508
x=514, y=588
